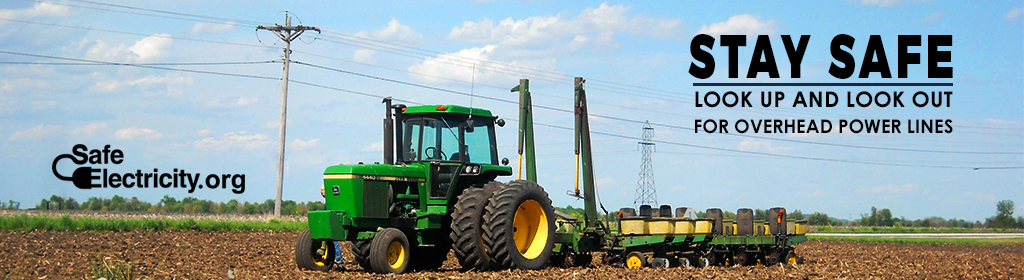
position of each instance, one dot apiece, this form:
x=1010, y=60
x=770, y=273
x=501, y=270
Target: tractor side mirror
x=500, y=122
x=504, y=161
x=469, y=126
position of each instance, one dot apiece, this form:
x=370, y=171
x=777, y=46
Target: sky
x=634, y=55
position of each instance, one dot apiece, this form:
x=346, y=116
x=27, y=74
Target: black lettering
x=842, y=56
x=733, y=42
x=868, y=65
x=703, y=56
x=79, y=151
x=906, y=58
x=763, y=48
x=935, y=56
x=796, y=55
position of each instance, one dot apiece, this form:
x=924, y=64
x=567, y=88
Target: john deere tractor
x=435, y=192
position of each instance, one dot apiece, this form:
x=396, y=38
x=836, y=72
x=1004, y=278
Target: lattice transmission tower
x=645, y=192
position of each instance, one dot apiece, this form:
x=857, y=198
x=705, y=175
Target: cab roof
x=448, y=109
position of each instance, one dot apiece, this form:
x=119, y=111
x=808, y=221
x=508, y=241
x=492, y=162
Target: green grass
x=112, y=271
x=826, y=229
x=65, y=222
x=953, y=241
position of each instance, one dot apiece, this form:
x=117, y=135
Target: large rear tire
x=519, y=226
x=467, y=226
x=390, y=251
x=314, y=254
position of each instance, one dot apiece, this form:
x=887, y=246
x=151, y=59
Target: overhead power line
x=654, y=123
x=448, y=58
x=538, y=123
x=613, y=86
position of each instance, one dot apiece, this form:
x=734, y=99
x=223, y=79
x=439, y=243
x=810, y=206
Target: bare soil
x=269, y=254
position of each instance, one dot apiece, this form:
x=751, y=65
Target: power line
x=181, y=16
x=615, y=86
x=379, y=44
x=541, y=124
x=654, y=123
x=164, y=12
x=784, y=155
x=142, y=64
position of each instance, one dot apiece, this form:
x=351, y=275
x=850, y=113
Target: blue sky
x=634, y=55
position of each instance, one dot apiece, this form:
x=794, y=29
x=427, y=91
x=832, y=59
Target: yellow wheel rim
x=530, y=229
x=396, y=255
x=319, y=259
x=791, y=259
x=634, y=261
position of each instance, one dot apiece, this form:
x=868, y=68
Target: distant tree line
x=171, y=205
x=885, y=218
x=10, y=205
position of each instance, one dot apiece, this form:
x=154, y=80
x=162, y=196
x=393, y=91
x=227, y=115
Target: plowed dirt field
x=269, y=255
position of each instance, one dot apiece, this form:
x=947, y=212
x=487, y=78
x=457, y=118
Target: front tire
x=519, y=226
x=314, y=254
x=389, y=251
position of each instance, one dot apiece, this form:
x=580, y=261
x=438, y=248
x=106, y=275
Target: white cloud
x=439, y=69
x=144, y=50
x=89, y=129
x=984, y=197
x=1014, y=14
x=755, y=145
x=37, y=132
x=817, y=193
x=364, y=56
x=206, y=27
x=374, y=147
x=141, y=133
x=204, y=132
x=394, y=31
x=300, y=144
x=745, y=24
x=244, y=102
x=604, y=182
x=546, y=35
x=144, y=82
x=886, y=3
x=1003, y=123
x=231, y=141
x=23, y=84
x=42, y=9
x=932, y=19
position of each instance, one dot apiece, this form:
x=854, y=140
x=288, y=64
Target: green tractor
x=435, y=192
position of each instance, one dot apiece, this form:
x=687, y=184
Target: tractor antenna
x=472, y=86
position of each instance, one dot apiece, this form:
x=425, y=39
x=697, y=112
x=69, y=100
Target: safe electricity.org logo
x=86, y=177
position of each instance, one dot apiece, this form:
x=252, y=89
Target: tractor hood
x=382, y=170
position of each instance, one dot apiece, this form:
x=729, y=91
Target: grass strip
x=65, y=222
x=826, y=229
x=925, y=240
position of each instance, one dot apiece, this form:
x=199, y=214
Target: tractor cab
x=456, y=144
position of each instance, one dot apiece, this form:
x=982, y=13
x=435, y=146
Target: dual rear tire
x=519, y=226
x=501, y=226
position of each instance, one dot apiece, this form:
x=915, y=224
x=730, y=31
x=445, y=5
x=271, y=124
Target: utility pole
x=286, y=33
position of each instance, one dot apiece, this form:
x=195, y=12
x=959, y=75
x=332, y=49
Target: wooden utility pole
x=286, y=33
